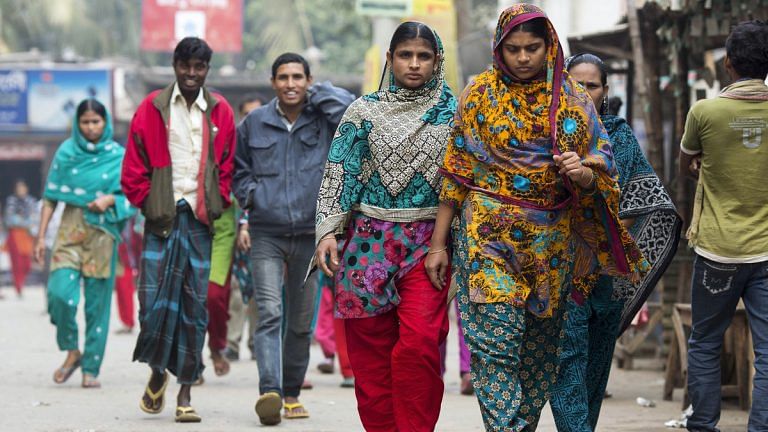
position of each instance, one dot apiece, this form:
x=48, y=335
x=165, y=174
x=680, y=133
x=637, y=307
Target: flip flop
x=154, y=396
x=66, y=372
x=90, y=381
x=291, y=407
x=187, y=415
x=268, y=408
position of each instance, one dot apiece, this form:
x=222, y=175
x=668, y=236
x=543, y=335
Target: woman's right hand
x=39, y=251
x=436, y=265
x=327, y=255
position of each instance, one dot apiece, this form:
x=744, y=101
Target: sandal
x=187, y=415
x=154, y=397
x=268, y=408
x=65, y=372
x=90, y=381
x=295, y=411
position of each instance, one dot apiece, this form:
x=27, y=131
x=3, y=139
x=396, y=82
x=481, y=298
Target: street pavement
x=31, y=401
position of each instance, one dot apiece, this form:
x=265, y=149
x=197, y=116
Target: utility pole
x=642, y=75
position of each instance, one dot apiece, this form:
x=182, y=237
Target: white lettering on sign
x=13, y=81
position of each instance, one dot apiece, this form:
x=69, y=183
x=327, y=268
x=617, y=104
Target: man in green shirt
x=725, y=145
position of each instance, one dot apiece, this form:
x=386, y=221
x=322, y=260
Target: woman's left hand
x=101, y=204
x=570, y=165
x=436, y=264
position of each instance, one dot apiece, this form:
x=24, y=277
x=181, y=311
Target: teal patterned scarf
x=384, y=157
x=82, y=171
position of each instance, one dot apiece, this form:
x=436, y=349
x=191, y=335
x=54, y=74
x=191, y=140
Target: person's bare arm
x=690, y=165
x=436, y=262
x=45, y=218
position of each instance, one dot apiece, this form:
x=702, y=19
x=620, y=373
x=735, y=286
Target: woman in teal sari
x=647, y=211
x=85, y=176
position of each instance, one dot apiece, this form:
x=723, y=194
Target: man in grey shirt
x=281, y=152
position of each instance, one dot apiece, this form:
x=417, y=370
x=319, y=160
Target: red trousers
x=330, y=334
x=125, y=288
x=396, y=358
x=218, y=315
x=20, y=250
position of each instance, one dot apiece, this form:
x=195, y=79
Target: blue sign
x=46, y=99
x=13, y=97
x=54, y=95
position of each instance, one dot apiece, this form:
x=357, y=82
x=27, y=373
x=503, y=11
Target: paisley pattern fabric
x=380, y=188
x=592, y=328
x=589, y=338
x=657, y=225
x=514, y=355
x=384, y=157
x=522, y=214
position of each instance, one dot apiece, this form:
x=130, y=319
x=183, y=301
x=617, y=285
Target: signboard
x=373, y=70
x=441, y=16
x=22, y=151
x=165, y=22
x=13, y=97
x=45, y=99
x=385, y=8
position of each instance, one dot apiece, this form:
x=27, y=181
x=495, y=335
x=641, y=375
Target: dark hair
x=251, y=97
x=91, y=105
x=412, y=30
x=588, y=58
x=192, y=47
x=614, y=105
x=290, y=57
x=747, y=49
x=537, y=26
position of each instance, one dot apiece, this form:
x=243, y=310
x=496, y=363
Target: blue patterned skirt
x=173, y=286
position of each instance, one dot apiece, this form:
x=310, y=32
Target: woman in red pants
x=380, y=194
x=20, y=218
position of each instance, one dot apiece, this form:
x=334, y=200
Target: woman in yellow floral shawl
x=530, y=168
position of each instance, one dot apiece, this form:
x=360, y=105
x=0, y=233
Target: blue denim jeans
x=716, y=290
x=279, y=264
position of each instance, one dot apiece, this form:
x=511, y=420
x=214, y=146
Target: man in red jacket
x=178, y=170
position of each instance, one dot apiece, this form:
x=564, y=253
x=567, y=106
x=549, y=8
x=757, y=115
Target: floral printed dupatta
x=499, y=148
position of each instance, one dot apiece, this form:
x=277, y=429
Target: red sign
x=165, y=22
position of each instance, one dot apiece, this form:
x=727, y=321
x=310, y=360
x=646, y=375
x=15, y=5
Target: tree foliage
x=105, y=28
x=87, y=28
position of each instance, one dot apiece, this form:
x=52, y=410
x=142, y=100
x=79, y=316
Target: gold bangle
x=430, y=252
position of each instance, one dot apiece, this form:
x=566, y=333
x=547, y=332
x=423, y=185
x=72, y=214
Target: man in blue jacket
x=281, y=152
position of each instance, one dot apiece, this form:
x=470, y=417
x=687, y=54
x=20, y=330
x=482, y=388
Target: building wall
x=578, y=16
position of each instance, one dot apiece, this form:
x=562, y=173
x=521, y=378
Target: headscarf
x=499, y=111
x=656, y=227
x=82, y=171
x=396, y=136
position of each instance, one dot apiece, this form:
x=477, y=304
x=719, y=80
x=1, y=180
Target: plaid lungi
x=173, y=286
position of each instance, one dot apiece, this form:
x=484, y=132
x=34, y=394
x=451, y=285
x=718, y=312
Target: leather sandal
x=65, y=372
